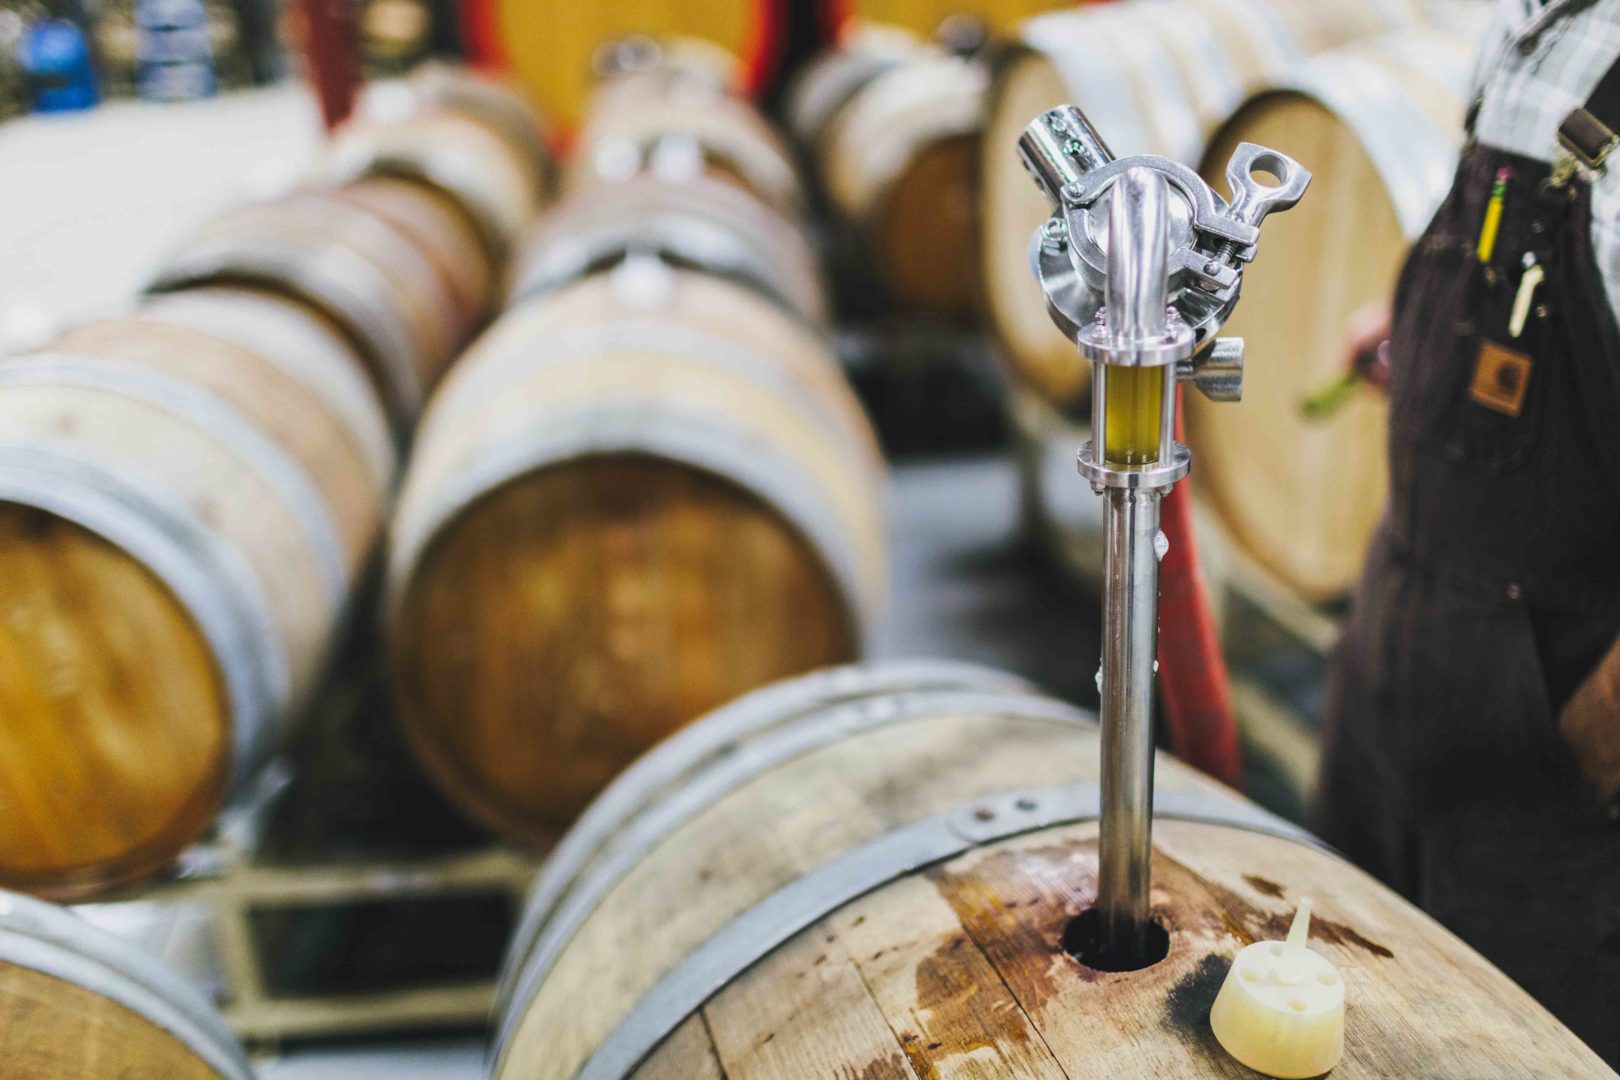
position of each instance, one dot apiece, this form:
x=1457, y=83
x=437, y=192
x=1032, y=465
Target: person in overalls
x=1472, y=740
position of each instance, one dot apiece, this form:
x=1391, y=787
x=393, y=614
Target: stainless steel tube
x=1130, y=642
x=1136, y=298
x=1059, y=147
x=1136, y=293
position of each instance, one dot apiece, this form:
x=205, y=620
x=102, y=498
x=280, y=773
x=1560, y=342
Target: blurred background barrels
x=1298, y=475
x=467, y=135
x=897, y=160
x=655, y=102
x=185, y=519
x=686, y=218
x=1156, y=76
x=369, y=277
x=636, y=497
x=192, y=495
x=76, y=1002
x=882, y=871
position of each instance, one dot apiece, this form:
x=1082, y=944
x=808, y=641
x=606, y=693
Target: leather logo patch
x=1501, y=377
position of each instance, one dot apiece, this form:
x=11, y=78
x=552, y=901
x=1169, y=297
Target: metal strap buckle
x=1587, y=138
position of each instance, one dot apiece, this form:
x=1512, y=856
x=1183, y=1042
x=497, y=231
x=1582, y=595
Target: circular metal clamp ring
x=1153, y=477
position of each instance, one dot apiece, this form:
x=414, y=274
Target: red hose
x=332, y=44
x=1193, y=682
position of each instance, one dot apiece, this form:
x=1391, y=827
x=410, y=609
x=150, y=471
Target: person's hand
x=1590, y=726
x=1366, y=343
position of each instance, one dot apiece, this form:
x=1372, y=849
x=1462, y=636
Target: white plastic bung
x=1281, y=1009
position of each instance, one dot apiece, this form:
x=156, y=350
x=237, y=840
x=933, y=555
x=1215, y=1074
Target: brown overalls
x=1492, y=590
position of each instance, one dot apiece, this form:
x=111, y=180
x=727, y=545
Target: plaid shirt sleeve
x=1541, y=61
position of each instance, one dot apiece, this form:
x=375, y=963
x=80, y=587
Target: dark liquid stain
x=1186, y=1008
x=1340, y=934
x=959, y=994
x=1268, y=888
x=892, y=1067
x=1248, y=924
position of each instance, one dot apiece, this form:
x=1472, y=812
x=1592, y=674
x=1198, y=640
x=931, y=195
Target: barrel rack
x=218, y=917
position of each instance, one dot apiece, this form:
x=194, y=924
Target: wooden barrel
x=899, y=165
x=636, y=118
x=77, y=1003
x=828, y=80
x=1380, y=124
x=298, y=339
x=1155, y=77
x=182, y=518
x=491, y=180
x=551, y=47
x=817, y=881
x=692, y=220
x=438, y=227
x=637, y=497
x=495, y=101
x=377, y=282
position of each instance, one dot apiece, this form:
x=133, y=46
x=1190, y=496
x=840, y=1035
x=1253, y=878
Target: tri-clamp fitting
x=1141, y=263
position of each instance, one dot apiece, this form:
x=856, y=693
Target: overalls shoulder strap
x=1588, y=133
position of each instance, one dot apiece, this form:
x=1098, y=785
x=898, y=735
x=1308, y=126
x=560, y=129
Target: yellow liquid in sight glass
x=1134, y=400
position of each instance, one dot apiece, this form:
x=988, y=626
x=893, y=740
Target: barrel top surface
x=636, y=790
x=959, y=971
x=53, y=941
x=949, y=869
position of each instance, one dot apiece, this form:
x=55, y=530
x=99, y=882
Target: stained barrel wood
x=689, y=220
x=899, y=165
x=76, y=1003
x=182, y=519
x=1155, y=77
x=636, y=497
x=1380, y=123
x=382, y=285
x=873, y=876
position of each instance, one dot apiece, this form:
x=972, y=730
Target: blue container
x=174, y=58
x=57, y=73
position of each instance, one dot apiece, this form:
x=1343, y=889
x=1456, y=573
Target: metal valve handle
x=1211, y=237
